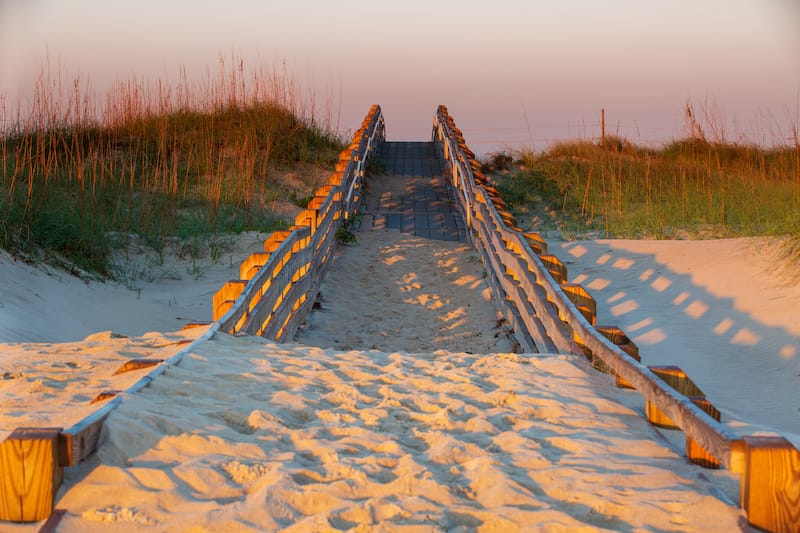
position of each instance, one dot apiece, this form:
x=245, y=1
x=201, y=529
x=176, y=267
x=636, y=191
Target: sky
x=513, y=73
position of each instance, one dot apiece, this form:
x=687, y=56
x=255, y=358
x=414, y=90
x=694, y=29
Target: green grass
x=689, y=189
x=156, y=164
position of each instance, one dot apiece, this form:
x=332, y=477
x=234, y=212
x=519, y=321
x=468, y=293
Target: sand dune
x=53, y=384
x=44, y=304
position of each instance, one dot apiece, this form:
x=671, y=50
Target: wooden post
x=535, y=241
x=252, y=265
x=618, y=337
x=224, y=298
x=32, y=473
x=308, y=217
x=603, y=126
x=556, y=268
x=678, y=380
x=694, y=452
x=770, y=487
x=275, y=239
x=583, y=301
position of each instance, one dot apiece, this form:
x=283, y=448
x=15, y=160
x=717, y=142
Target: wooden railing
x=276, y=288
x=273, y=295
x=547, y=314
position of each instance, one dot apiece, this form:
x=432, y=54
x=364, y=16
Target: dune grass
x=154, y=161
x=691, y=188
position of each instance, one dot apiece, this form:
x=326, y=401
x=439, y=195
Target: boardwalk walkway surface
x=409, y=283
x=412, y=195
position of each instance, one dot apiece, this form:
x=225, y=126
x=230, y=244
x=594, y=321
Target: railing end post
x=770, y=485
x=30, y=459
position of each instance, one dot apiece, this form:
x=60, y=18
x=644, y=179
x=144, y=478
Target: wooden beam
x=31, y=474
x=770, y=487
x=137, y=364
x=533, y=292
x=539, y=325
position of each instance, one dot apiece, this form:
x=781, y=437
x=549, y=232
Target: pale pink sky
x=512, y=72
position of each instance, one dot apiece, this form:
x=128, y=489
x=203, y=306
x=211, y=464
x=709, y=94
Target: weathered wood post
x=770, y=485
x=32, y=472
x=694, y=452
x=225, y=297
x=676, y=378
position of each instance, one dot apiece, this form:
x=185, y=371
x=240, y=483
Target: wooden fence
x=548, y=314
x=273, y=295
x=277, y=287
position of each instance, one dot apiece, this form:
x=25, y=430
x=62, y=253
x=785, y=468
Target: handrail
x=772, y=500
x=283, y=288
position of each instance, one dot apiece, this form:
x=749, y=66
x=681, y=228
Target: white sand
x=44, y=304
x=718, y=309
x=52, y=384
x=246, y=435
x=395, y=292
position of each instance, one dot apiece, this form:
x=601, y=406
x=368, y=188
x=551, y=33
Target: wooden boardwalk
x=277, y=288
x=412, y=196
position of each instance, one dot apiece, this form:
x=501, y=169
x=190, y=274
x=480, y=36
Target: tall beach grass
x=159, y=161
x=701, y=186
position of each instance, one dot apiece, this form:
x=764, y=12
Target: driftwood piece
x=103, y=396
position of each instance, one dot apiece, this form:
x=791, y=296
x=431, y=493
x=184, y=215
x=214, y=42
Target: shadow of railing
x=750, y=369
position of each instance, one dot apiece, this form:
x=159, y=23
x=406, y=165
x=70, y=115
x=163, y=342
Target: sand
x=397, y=292
x=721, y=310
x=248, y=435
x=324, y=440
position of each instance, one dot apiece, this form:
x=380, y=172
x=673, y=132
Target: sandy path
x=395, y=292
x=325, y=440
